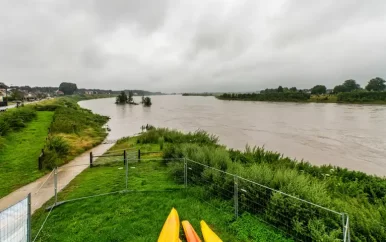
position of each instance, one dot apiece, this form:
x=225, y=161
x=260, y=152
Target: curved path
x=43, y=189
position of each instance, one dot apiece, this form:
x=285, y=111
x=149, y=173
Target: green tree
x=351, y=85
x=130, y=99
x=376, y=84
x=122, y=98
x=68, y=88
x=280, y=89
x=3, y=86
x=339, y=89
x=319, y=89
x=293, y=89
x=17, y=95
x=147, y=102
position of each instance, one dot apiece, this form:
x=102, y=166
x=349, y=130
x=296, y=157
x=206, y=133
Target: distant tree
x=147, y=102
x=122, y=98
x=293, y=89
x=17, y=95
x=351, y=85
x=68, y=88
x=280, y=89
x=339, y=89
x=130, y=99
x=143, y=99
x=319, y=89
x=376, y=84
x=3, y=86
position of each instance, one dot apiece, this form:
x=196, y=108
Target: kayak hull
x=208, y=234
x=170, y=230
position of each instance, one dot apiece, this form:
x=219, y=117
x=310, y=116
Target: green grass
x=20, y=151
x=140, y=214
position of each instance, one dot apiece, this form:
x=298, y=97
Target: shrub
x=161, y=142
x=50, y=159
x=16, y=119
x=58, y=145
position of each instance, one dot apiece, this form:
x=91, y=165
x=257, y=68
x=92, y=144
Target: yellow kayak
x=171, y=229
x=209, y=235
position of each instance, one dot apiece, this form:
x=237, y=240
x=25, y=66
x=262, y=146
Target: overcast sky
x=200, y=45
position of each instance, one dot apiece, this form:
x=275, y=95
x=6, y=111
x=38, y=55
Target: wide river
x=352, y=136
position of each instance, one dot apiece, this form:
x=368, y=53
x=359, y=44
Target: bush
x=362, y=97
x=16, y=119
x=161, y=142
x=172, y=136
x=58, y=145
x=50, y=159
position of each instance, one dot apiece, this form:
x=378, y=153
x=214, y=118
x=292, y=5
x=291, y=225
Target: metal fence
x=297, y=218
x=15, y=222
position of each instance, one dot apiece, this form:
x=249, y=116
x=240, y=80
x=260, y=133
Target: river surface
x=352, y=136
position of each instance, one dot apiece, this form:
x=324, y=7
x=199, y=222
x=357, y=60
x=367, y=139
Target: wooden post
x=91, y=159
x=124, y=157
x=139, y=155
x=40, y=160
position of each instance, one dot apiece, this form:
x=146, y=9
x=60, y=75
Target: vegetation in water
x=146, y=102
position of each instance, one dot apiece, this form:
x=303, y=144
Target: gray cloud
x=210, y=45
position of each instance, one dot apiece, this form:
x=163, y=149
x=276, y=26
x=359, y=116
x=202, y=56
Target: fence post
x=29, y=236
x=40, y=161
x=127, y=168
x=346, y=231
x=56, y=184
x=139, y=155
x=236, y=196
x=91, y=159
x=185, y=173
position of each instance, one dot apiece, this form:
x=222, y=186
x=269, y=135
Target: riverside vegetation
x=361, y=196
x=140, y=215
x=58, y=126
x=348, y=92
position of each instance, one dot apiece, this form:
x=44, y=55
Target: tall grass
x=361, y=196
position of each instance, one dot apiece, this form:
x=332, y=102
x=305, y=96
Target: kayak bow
x=171, y=229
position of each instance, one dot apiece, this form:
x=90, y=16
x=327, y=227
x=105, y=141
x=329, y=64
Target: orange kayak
x=171, y=229
x=209, y=235
x=190, y=234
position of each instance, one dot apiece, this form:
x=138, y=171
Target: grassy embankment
x=125, y=216
x=359, y=97
x=20, y=149
x=69, y=130
x=139, y=216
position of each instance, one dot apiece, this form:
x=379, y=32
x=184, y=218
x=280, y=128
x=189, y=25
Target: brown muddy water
x=346, y=135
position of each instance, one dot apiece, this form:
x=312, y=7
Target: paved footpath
x=43, y=189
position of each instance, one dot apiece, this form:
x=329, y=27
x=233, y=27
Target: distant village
x=14, y=94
